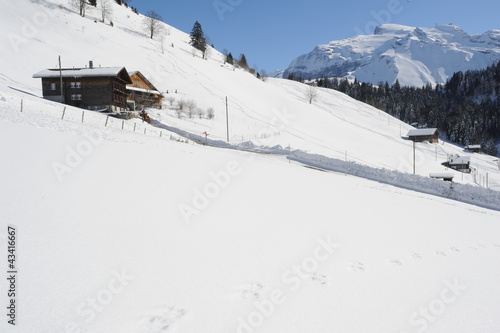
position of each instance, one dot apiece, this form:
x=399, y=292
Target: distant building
x=459, y=163
x=143, y=92
x=447, y=177
x=97, y=88
x=424, y=134
x=473, y=148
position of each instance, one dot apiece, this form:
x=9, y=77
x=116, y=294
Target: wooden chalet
x=424, y=134
x=142, y=93
x=95, y=88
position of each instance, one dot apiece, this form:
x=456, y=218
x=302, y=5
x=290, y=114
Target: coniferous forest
x=466, y=109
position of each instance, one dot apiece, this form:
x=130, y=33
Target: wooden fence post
x=106, y=125
x=134, y=126
x=64, y=111
x=21, y=105
x=123, y=123
x=83, y=115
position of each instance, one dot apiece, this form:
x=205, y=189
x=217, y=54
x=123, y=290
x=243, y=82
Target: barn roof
x=459, y=160
x=422, y=132
x=85, y=72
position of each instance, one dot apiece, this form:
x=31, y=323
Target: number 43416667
x=11, y=249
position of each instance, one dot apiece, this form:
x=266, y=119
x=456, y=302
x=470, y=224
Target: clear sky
x=272, y=33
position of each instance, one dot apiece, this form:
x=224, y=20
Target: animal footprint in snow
x=454, y=249
x=162, y=319
x=319, y=278
x=441, y=253
x=250, y=291
x=357, y=266
x=473, y=248
x=416, y=256
x=396, y=262
x=497, y=245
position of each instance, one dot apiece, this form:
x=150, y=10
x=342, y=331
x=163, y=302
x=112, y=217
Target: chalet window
x=72, y=85
x=52, y=86
x=76, y=97
x=73, y=97
x=78, y=85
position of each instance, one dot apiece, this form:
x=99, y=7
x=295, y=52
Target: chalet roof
x=84, y=72
x=473, y=147
x=422, y=132
x=155, y=92
x=144, y=79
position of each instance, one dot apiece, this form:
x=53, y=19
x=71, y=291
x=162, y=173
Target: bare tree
x=153, y=23
x=191, y=105
x=200, y=112
x=171, y=100
x=106, y=10
x=210, y=113
x=181, y=104
x=311, y=94
x=79, y=5
x=263, y=75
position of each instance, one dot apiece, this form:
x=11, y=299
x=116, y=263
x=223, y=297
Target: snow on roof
x=79, y=72
x=459, y=160
x=441, y=175
x=156, y=92
x=473, y=147
x=422, y=132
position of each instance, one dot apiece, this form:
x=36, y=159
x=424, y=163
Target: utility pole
x=227, y=120
x=413, y=157
x=61, y=81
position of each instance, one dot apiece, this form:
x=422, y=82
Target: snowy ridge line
x=478, y=196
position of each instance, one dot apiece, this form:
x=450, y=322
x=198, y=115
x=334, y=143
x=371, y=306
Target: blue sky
x=272, y=33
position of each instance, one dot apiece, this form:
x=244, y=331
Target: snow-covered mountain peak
x=413, y=55
x=393, y=29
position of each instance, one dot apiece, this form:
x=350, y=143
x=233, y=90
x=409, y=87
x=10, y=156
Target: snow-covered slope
x=121, y=229
x=263, y=113
x=414, y=56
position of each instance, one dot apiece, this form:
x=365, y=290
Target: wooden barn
x=473, y=148
x=94, y=88
x=424, y=134
x=142, y=92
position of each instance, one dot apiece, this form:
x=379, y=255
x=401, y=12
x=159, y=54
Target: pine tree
x=243, y=61
x=198, y=39
x=230, y=59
